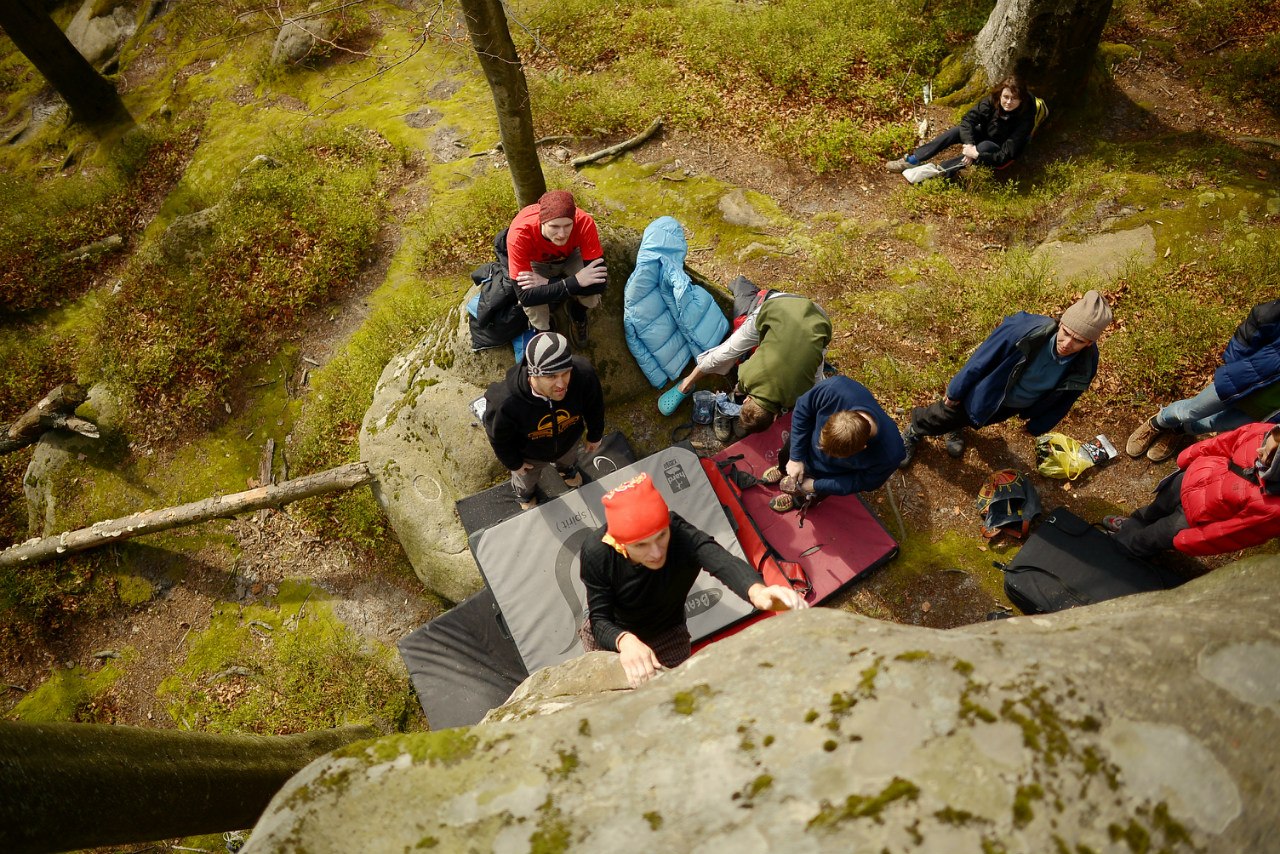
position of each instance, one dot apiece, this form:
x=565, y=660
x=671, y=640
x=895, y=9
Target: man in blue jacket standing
x=1245, y=389
x=841, y=442
x=1031, y=365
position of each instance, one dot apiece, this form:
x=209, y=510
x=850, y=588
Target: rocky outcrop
x=426, y=448
x=298, y=39
x=59, y=456
x=1101, y=256
x=1142, y=724
x=101, y=27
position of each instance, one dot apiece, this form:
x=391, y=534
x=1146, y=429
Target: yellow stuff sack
x=1060, y=456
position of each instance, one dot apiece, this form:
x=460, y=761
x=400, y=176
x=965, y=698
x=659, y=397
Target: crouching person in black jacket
x=638, y=571
x=535, y=416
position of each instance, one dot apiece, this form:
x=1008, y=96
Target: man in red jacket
x=1224, y=497
x=552, y=252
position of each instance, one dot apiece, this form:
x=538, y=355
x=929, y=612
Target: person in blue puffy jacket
x=1245, y=389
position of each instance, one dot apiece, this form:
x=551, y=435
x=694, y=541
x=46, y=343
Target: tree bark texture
x=487, y=25
x=70, y=786
x=92, y=99
x=1049, y=43
x=218, y=507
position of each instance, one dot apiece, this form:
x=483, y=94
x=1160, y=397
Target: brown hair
x=754, y=417
x=845, y=434
x=1015, y=83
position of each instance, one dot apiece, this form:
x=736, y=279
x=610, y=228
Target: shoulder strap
x=1249, y=474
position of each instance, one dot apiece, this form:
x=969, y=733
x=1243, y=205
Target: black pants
x=1151, y=529
x=948, y=138
x=938, y=418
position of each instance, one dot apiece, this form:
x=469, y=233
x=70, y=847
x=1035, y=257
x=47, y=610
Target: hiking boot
x=899, y=165
x=1165, y=446
x=1142, y=438
x=954, y=443
x=573, y=478
x=910, y=439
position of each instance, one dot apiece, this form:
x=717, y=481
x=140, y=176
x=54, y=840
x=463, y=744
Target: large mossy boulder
x=427, y=449
x=1148, y=723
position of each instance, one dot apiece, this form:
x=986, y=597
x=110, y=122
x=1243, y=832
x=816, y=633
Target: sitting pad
x=530, y=561
x=841, y=538
x=463, y=663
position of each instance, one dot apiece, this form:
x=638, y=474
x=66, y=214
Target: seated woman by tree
x=994, y=132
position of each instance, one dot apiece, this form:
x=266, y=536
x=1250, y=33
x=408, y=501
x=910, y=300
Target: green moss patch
x=307, y=672
x=864, y=806
x=69, y=694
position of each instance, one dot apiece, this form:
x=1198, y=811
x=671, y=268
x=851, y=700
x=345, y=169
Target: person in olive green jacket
x=789, y=334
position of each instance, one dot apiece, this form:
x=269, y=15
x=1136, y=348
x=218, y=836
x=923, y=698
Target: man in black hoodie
x=536, y=414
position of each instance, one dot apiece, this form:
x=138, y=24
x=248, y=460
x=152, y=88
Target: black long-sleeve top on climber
x=623, y=596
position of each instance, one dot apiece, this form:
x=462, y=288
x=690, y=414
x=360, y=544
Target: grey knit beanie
x=547, y=353
x=1088, y=316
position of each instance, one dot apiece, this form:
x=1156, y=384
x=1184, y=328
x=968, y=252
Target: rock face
x=1142, y=724
x=59, y=452
x=297, y=39
x=100, y=28
x=1104, y=255
x=427, y=449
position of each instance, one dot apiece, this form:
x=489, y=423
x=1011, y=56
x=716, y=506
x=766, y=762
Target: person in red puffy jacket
x=1224, y=497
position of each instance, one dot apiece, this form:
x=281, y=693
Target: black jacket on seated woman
x=993, y=133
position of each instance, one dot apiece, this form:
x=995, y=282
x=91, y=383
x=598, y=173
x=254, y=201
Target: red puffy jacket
x=1226, y=512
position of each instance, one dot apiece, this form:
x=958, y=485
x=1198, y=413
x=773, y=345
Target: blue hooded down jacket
x=666, y=317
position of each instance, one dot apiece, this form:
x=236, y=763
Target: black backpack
x=1068, y=562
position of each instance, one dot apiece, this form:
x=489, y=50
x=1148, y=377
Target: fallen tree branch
x=620, y=147
x=52, y=412
x=1261, y=140
x=219, y=507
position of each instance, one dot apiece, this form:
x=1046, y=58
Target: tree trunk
x=219, y=507
x=65, y=786
x=92, y=99
x=487, y=24
x=1049, y=43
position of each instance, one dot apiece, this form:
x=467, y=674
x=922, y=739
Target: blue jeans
x=1204, y=413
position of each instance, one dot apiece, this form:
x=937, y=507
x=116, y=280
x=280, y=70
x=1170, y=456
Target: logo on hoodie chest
x=554, y=422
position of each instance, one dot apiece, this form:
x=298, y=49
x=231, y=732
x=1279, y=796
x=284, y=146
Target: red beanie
x=555, y=204
x=635, y=511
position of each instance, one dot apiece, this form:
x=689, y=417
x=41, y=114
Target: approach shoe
x=671, y=399
x=899, y=165
x=1113, y=523
x=1165, y=446
x=528, y=503
x=579, y=329
x=1142, y=438
x=573, y=478
x=910, y=440
x=722, y=424
x=954, y=443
